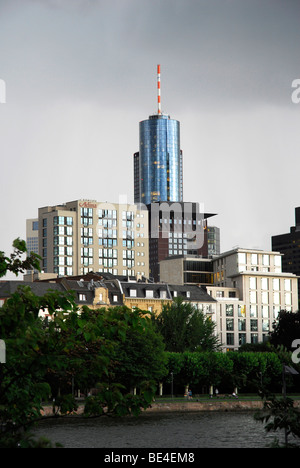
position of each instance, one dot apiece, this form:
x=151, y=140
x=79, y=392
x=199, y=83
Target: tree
x=14, y=262
x=72, y=349
x=140, y=355
x=286, y=329
x=185, y=328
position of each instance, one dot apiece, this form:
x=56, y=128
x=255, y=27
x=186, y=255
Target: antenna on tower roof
x=158, y=90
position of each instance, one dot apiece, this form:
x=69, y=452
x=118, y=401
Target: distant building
x=175, y=229
x=213, y=241
x=289, y=245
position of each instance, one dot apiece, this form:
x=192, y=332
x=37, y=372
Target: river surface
x=177, y=430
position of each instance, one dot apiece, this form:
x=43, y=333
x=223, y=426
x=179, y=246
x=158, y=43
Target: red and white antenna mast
x=158, y=90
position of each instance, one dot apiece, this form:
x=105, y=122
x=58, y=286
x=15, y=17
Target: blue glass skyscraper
x=158, y=164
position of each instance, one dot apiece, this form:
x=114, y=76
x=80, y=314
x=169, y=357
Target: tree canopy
x=185, y=328
x=109, y=350
x=286, y=329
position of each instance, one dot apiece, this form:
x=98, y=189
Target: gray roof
x=141, y=289
x=196, y=293
x=40, y=288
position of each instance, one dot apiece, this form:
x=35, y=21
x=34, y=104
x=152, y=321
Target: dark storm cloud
x=236, y=51
x=80, y=74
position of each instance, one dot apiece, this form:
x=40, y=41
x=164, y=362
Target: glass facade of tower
x=159, y=172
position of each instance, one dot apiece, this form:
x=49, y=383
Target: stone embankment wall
x=227, y=405
x=190, y=406
x=215, y=405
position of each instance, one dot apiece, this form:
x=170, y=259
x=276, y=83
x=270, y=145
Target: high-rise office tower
x=158, y=174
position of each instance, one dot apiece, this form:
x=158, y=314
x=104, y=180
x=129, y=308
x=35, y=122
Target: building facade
x=187, y=270
x=85, y=235
x=213, y=241
x=158, y=172
x=32, y=235
x=175, y=229
x=251, y=289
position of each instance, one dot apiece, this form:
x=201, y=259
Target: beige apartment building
x=250, y=289
x=248, y=286
x=85, y=235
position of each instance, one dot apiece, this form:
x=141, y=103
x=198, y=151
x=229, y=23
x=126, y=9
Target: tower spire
x=158, y=90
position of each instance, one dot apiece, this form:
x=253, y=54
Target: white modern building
x=250, y=289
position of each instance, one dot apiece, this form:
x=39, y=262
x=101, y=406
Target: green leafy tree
x=140, y=355
x=286, y=329
x=185, y=328
x=71, y=348
x=14, y=263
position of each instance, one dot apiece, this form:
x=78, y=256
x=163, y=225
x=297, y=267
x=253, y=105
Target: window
x=253, y=297
x=265, y=325
x=277, y=260
x=254, y=338
x=276, y=310
x=229, y=310
x=264, y=284
x=242, y=324
x=265, y=311
x=253, y=325
x=265, y=297
x=82, y=297
x=242, y=339
x=254, y=259
x=132, y=292
x=229, y=339
x=242, y=258
x=229, y=324
x=252, y=282
x=288, y=299
x=276, y=298
x=266, y=260
x=276, y=284
x=149, y=293
x=287, y=285
x=163, y=294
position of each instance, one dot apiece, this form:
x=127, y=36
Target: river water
x=177, y=430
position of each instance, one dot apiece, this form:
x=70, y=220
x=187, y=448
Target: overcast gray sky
x=81, y=74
